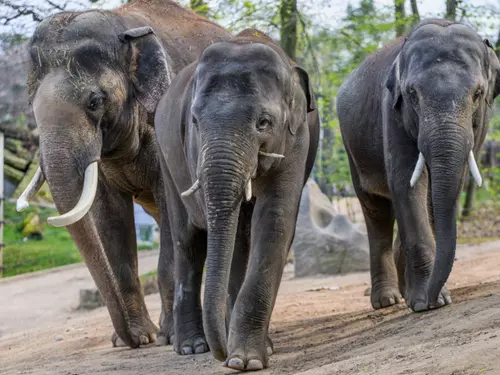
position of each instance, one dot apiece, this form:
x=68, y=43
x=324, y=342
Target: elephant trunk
x=447, y=149
x=225, y=177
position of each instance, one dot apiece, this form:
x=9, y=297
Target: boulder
x=326, y=242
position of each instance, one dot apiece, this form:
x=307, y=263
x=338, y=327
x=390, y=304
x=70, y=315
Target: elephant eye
x=194, y=120
x=478, y=94
x=413, y=96
x=263, y=124
x=96, y=102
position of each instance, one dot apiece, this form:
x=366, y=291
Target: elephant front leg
x=106, y=239
x=240, y=262
x=166, y=282
x=273, y=227
x=415, y=232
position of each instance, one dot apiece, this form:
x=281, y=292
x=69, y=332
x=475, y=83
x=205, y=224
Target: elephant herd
x=216, y=134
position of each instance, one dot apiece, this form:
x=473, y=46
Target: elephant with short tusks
x=413, y=117
x=96, y=77
x=238, y=131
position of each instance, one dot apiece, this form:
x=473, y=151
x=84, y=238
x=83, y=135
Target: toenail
x=200, y=349
x=254, y=365
x=187, y=350
x=236, y=363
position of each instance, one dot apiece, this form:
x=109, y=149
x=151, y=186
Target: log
x=15, y=161
x=43, y=195
x=13, y=174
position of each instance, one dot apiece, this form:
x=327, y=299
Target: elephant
x=413, y=117
x=238, y=132
x=95, y=79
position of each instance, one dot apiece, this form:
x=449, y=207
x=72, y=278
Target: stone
x=59, y=338
x=326, y=242
x=90, y=299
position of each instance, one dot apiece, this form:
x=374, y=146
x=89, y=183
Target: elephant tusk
x=271, y=155
x=30, y=191
x=84, y=203
x=418, y=169
x=474, y=170
x=248, y=190
x=192, y=189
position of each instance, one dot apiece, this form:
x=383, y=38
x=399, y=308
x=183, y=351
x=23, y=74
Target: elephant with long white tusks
x=413, y=118
x=95, y=79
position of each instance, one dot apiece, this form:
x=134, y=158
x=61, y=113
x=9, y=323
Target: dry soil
x=320, y=326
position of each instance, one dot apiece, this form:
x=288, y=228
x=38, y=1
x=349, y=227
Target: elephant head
x=442, y=84
x=92, y=81
x=247, y=100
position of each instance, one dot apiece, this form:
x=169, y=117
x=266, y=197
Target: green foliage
x=56, y=248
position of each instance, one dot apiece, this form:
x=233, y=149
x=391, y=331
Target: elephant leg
x=166, y=281
x=417, y=239
x=240, y=262
x=190, y=254
x=399, y=259
x=379, y=219
x=106, y=239
x=273, y=228
x=190, y=251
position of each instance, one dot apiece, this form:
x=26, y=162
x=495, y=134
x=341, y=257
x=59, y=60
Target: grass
x=54, y=250
x=21, y=256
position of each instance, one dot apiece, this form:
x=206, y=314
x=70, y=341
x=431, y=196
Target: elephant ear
x=393, y=84
x=305, y=84
x=147, y=65
x=494, y=65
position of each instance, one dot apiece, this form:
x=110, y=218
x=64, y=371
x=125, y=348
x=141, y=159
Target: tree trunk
x=451, y=10
x=400, y=13
x=497, y=45
x=470, y=196
x=415, y=13
x=288, y=32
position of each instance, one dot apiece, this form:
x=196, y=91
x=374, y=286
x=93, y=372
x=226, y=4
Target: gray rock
x=326, y=242
x=59, y=338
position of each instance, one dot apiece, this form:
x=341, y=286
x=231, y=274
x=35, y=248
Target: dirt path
x=321, y=332
x=44, y=299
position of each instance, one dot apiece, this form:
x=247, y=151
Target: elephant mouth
x=81, y=208
x=248, y=185
x=419, y=167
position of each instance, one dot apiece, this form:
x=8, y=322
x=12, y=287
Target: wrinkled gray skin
x=95, y=81
x=242, y=97
x=439, y=106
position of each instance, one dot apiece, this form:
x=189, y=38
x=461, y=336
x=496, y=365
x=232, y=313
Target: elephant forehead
x=456, y=43
x=230, y=56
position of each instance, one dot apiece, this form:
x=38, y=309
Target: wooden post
x=2, y=199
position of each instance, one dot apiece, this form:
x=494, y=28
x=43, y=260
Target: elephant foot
x=166, y=333
x=146, y=334
x=418, y=302
x=195, y=345
x=269, y=346
x=246, y=357
x=190, y=339
x=385, y=296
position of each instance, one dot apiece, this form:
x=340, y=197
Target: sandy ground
x=316, y=332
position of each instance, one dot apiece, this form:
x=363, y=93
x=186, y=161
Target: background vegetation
x=329, y=46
